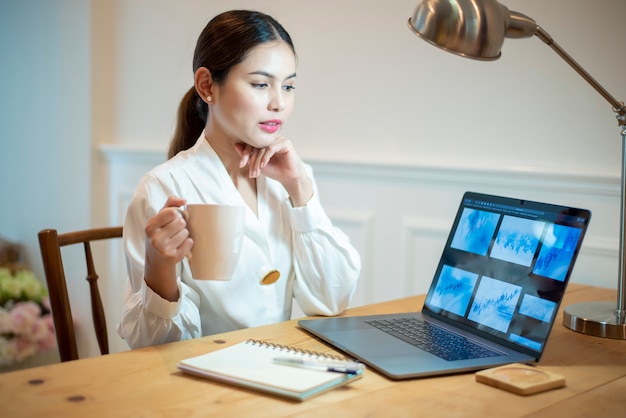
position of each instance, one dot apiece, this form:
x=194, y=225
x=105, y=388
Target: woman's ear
x=204, y=84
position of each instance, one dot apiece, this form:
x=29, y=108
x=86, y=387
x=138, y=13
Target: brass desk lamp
x=476, y=29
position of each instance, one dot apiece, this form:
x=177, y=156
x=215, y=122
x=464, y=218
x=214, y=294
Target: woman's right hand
x=167, y=243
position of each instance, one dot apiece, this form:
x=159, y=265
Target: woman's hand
x=167, y=243
x=278, y=161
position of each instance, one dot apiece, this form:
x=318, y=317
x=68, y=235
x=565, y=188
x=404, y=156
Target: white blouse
x=317, y=264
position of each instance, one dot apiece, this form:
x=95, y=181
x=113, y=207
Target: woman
x=227, y=149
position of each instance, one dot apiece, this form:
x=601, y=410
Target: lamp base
x=595, y=318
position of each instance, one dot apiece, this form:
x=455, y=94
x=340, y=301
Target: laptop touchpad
x=371, y=342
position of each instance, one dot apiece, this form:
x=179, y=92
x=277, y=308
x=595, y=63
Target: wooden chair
x=50, y=243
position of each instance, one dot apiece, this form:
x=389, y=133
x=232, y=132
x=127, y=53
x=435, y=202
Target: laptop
x=493, y=300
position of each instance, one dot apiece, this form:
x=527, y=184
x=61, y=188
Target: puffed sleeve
x=147, y=318
x=326, y=264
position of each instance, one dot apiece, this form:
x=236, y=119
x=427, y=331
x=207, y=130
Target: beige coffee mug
x=217, y=233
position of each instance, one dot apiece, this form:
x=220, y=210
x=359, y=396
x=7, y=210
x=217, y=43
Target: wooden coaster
x=520, y=378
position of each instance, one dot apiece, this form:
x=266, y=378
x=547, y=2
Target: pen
x=348, y=367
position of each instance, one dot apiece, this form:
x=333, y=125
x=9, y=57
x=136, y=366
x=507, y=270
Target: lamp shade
x=470, y=28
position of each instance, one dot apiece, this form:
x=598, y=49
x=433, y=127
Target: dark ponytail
x=192, y=114
x=223, y=43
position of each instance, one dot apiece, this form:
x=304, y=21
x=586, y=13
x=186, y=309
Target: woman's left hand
x=278, y=161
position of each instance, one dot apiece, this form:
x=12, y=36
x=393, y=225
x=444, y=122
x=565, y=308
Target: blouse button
x=270, y=277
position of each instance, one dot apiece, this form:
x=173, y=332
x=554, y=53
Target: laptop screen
x=505, y=267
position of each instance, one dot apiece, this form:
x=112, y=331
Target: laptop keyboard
x=433, y=339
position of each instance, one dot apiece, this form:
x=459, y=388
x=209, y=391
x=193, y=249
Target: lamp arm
x=618, y=106
x=620, y=112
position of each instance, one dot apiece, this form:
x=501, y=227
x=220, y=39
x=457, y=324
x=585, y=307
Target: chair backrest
x=50, y=243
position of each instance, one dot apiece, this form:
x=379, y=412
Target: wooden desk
x=147, y=383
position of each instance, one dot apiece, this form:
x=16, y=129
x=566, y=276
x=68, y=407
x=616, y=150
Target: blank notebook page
x=253, y=362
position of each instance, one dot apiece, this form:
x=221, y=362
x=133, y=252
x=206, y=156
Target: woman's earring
x=208, y=98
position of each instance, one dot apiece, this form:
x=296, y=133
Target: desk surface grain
x=146, y=382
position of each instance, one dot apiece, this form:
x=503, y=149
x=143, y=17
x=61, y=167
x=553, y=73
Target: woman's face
x=257, y=96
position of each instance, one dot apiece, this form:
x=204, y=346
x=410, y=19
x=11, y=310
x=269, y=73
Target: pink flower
x=24, y=328
x=24, y=332
x=24, y=348
x=43, y=333
x=23, y=316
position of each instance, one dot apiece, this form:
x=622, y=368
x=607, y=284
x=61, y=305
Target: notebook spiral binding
x=295, y=350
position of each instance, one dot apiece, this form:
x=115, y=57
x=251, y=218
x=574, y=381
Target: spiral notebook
x=251, y=364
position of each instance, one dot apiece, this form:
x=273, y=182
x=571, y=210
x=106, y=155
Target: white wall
x=44, y=117
x=83, y=75
x=45, y=157
x=369, y=89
